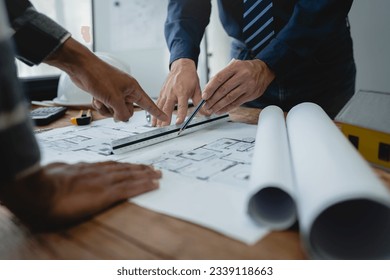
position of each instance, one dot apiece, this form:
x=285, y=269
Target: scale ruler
x=145, y=139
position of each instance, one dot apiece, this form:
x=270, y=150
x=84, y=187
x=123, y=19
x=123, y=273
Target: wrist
x=72, y=57
x=183, y=63
x=265, y=70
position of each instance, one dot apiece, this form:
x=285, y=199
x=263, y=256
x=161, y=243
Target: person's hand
x=114, y=91
x=181, y=85
x=239, y=82
x=60, y=194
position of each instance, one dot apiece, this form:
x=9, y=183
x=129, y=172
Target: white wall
x=370, y=26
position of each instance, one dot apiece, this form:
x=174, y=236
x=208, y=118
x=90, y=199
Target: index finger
x=145, y=102
x=219, y=79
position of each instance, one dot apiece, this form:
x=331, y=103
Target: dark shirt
x=311, y=53
x=35, y=37
x=303, y=27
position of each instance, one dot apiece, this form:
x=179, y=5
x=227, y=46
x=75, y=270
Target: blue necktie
x=258, y=29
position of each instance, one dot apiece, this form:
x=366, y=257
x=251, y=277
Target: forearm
x=71, y=57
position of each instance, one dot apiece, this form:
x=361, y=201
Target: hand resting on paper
x=60, y=194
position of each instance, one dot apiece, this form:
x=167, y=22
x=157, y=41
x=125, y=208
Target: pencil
x=185, y=124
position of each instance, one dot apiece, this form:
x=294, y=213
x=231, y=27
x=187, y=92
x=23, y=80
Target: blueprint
x=206, y=177
x=206, y=173
x=89, y=143
x=224, y=160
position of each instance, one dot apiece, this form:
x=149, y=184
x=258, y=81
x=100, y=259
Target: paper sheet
x=89, y=143
x=205, y=179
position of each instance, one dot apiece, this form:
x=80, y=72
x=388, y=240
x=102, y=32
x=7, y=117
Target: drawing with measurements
x=89, y=143
x=225, y=160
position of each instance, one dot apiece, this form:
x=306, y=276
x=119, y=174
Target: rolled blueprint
x=271, y=197
x=343, y=208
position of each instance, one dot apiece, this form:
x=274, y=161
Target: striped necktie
x=258, y=27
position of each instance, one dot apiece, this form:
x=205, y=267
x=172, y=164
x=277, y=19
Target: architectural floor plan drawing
x=225, y=160
x=89, y=143
x=205, y=178
x=205, y=172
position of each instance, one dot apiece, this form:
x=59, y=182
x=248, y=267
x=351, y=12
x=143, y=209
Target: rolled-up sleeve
x=311, y=24
x=184, y=28
x=36, y=36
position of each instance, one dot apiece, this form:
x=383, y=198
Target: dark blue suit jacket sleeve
x=185, y=26
x=310, y=26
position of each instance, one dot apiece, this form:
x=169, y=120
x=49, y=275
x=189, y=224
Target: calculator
x=46, y=115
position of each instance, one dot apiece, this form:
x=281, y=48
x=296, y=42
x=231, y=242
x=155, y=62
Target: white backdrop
x=370, y=25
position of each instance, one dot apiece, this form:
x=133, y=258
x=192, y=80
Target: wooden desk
x=127, y=231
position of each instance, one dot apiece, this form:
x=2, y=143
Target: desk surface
x=127, y=231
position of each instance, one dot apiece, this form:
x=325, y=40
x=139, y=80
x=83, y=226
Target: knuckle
x=233, y=105
x=218, y=78
x=229, y=98
x=245, y=71
x=222, y=89
x=137, y=96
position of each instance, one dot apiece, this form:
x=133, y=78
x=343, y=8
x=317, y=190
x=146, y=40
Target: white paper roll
x=271, y=198
x=343, y=208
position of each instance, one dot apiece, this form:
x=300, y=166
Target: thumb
x=97, y=104
x=197, y=99
x=121, y=111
